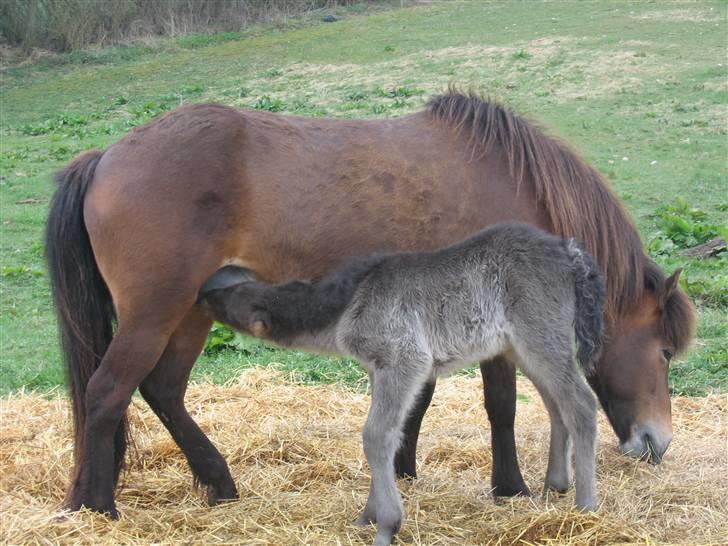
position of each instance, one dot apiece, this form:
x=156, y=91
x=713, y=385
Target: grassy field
x=640, y=89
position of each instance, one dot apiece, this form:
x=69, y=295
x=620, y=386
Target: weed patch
x=270, y=104
x=681, y=226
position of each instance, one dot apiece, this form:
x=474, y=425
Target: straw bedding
x=295, y=452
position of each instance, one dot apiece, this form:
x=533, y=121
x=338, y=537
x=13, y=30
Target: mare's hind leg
x=133, y=352
x=499, y=388
x=405, y=462
x=164, y=390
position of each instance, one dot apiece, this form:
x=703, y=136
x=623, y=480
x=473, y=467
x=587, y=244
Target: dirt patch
x=693, y=14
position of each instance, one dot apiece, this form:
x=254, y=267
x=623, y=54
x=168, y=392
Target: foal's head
x=275, y=312
x=233, y=296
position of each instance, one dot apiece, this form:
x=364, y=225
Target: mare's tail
x=83, y=303
x=589, y=316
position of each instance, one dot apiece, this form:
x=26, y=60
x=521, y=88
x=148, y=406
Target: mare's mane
x=577, y=200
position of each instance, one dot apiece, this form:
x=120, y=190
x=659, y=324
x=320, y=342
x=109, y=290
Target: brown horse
x=135, y=230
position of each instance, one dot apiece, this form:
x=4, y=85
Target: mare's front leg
x=393, y=391
x=164, y=390
x=405, y=462
x=499, y=388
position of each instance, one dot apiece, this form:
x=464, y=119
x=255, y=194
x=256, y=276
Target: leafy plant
x=152, y=109
x=220, y=338
x=357, y=95
x=401, y=92
x=681, y=226
x=18, y=271
x=706, y=282
x=267, y=103
x=62, y=123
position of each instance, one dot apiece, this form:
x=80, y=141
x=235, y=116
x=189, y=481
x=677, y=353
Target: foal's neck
x=305, y=315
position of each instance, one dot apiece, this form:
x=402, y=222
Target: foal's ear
x=669, y=287
x=260, y=324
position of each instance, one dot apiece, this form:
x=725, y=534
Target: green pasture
x=641, y=89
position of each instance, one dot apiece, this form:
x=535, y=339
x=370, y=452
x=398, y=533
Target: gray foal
x=512, y=290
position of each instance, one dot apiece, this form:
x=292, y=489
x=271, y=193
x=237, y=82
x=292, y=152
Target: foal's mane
x=576, y=198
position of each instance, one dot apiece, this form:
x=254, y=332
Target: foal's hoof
x=364, y=520
x=557, y=484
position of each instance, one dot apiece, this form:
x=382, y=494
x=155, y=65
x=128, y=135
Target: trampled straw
x=295, y=453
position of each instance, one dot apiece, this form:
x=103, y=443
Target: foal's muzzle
x=647, y=443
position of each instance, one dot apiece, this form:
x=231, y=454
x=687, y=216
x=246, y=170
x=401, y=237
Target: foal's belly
x=488, y=340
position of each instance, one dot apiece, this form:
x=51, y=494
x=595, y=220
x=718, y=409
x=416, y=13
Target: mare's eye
x=667, y=354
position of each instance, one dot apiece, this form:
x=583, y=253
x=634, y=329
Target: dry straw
x=295, y=452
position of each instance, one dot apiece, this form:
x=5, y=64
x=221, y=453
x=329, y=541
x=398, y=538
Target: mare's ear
x=260, y=324
x=669, y=287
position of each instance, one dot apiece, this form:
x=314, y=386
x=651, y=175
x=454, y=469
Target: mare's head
x=631, y=381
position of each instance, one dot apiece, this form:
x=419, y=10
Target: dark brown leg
x=164, y=390
x=405, y=462
x=499, y=387
x=132, y=354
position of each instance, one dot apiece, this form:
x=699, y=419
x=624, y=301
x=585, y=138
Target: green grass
x=639, y=88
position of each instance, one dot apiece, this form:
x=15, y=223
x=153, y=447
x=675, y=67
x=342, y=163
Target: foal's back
x=464, y=303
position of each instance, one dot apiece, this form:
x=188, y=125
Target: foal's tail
x=589, y=315
x=83, y=303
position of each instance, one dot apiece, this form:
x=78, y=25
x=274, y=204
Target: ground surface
x=295, y=454
x=641, y=89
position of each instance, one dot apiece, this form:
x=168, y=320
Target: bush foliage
x=66, y=25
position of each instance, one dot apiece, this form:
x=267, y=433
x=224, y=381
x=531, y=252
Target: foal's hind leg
x=554, y=373
x=164, y=390
x=558, y=473
x=499, y=388
x=578, y=411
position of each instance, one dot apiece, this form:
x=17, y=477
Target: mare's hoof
x=109, y=511
x=410, y=475
x=405, y=469
x=227, y=493
x=511, y=490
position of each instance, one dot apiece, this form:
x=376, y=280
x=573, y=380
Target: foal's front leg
x=393, y=391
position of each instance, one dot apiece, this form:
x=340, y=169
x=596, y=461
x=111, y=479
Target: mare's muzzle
x=647, y=443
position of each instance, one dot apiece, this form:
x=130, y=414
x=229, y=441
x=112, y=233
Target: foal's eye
x=667, y=354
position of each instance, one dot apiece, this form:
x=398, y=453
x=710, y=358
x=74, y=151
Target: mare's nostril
x=652, y=455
